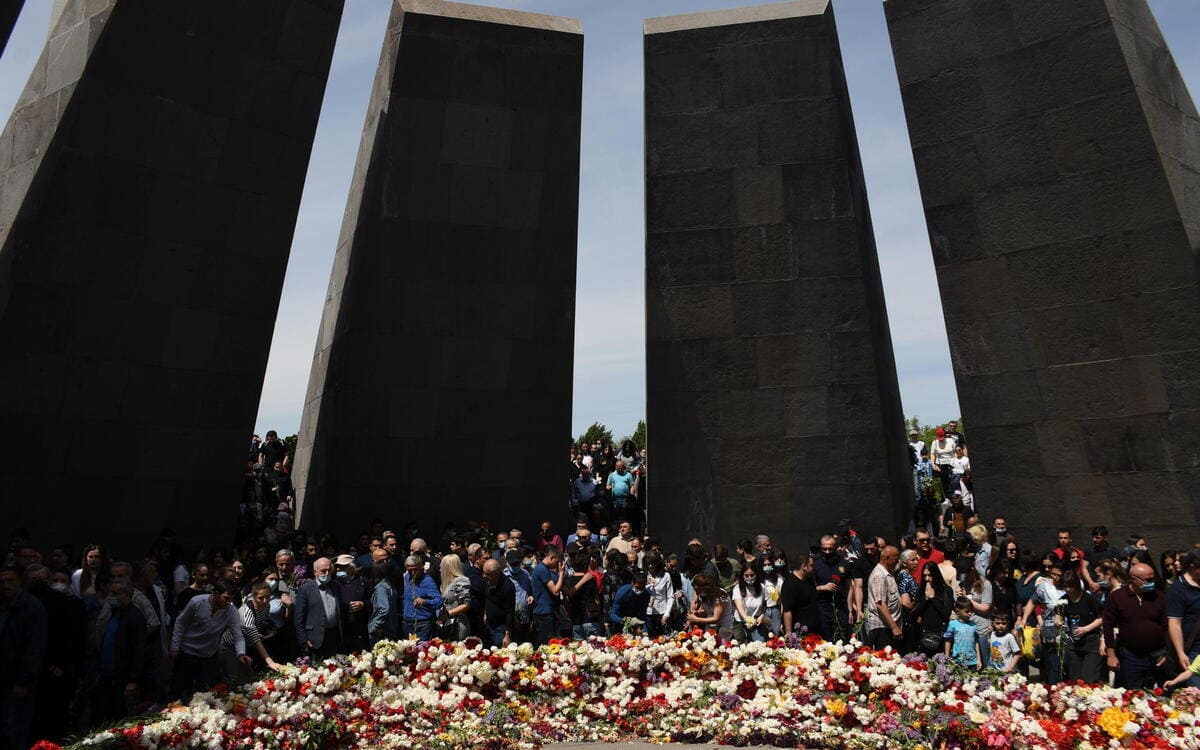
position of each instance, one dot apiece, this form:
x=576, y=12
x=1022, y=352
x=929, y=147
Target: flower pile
x=690, y=688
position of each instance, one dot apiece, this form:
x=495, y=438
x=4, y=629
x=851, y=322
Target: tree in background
x=593, y=434
x=290, y=443
x=639, y=435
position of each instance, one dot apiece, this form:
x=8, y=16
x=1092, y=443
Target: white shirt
x=662, y=594
x=917, y=446
x=942, y=450
x=754, y=605
x=198, y=629
x=960, y=465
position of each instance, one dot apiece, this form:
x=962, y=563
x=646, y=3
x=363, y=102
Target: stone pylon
x=151, y=175
x=1058, y=153
x=441, y=382
x=772, y=400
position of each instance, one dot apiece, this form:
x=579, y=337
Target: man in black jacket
x=66, y=634
x=499, y=605
x=22, y=648
x=120, y=644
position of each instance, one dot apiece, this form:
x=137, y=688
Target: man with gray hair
x=422, y=600
x=883, y=602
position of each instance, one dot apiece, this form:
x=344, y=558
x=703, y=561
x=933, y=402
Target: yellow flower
x=529, y=673
x=1113, y=721
x=835, y=706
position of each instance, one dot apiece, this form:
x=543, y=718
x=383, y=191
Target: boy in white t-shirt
x=1005, y=653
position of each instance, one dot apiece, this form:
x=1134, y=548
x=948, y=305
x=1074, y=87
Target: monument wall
x=150, y=177
x=1058, y=153
x=772, y=400
x=441, y=382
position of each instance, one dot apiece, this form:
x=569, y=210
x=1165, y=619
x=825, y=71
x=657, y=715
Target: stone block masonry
x=1058, y=154
x=441, y=382
x=772, y=401
x=150, y=178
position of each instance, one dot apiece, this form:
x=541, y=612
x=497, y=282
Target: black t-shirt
x=1080, y=613
x=1094, y=556
x=800, y=598
x=272, y=452
x=824, y=572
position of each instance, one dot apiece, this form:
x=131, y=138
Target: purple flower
x=729, y=701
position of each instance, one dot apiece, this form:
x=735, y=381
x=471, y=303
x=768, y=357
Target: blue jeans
x=1137, y=672
x=422, y=629
x=495, y=636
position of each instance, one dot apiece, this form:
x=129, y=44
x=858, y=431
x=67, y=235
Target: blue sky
x=609, y=337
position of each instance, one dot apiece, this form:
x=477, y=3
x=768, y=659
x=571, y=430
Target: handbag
x=452, y=628
x=930, y=642
x=1031, y=642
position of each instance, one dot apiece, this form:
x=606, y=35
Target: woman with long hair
x=750, y=606
x=583, y=597
x=933, y=610
x=456, y=600
x=662, y=595
x=91, y=579
x=616, y=574
x=1004, y=590
x=711, y=609
x=385, y=599
x=772, y=580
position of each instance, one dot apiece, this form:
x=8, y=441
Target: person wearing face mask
x=318, y=613
x=120, y=642
x=282, y=612
x=66, y=632
x=352, y=597
x=1135, y=629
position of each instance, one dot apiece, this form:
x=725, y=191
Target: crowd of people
x=86, y=638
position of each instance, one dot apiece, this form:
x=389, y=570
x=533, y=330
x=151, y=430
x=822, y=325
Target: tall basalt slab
x=1058, y=154
x=150, y=178
x=772, y=401
x=441, y=382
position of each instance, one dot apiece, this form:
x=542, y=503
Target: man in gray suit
x=318, y=613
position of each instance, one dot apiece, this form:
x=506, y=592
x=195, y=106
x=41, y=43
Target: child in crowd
x=1185, y=675
x=962, y=643
x=1004, y=653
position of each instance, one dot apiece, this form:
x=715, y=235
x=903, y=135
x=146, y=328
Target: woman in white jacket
x=662, y=594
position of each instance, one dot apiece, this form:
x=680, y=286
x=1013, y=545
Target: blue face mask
x=323, y=578
x=343, y=575
x=1105, y=584
x=1147, y=587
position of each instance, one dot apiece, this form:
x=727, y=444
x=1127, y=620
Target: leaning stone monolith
x=772, y=401
x=441, y=384
x=1058, y=154
x=151, y=176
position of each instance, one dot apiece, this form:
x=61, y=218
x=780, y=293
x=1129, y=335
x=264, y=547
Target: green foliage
x=593, y=434
x=639, y=435
x=290, y=442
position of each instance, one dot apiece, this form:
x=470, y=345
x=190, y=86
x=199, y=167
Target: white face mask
x=61, y=587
